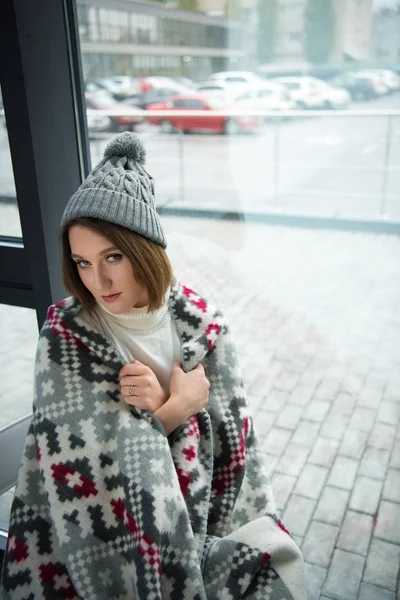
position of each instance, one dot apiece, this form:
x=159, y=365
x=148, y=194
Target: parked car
x=159, y=81
x=270, y=96
x=156, y=95
x=359, y=88
x=122, y=86
x=334, y=97
x=126, y=121
x=303, y=91
x=226, y=123
x=221, y=91
x=237, y=77
x=377, y=81
x=118, y=86
x=97, y=123
x=389, y=78
x=185, y=81
x=239, y=80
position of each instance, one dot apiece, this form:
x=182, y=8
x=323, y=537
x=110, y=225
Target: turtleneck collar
x=138, y=320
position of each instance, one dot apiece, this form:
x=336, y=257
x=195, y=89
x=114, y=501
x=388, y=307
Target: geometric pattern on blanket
x=107, y=507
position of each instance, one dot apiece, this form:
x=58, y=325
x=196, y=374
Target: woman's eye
x=114, y=258
x=82, y=263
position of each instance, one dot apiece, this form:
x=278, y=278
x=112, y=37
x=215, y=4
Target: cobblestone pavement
x=316, y=319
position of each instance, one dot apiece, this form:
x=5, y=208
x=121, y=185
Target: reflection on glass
x=335, y=56
x=315, y=312
x=5, y=508
x=18, y=339
x=9, y=216
x=315, y=317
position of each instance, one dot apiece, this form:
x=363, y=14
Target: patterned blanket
x=108, y=507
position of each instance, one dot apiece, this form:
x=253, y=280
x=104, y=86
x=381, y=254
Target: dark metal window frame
x=42, y=88
x=43, y=98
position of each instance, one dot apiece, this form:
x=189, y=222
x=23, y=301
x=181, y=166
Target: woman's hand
x=147, y=392
x=188, y=395
x=190, y=388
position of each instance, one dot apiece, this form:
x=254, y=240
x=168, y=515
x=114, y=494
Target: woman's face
x=105, y=271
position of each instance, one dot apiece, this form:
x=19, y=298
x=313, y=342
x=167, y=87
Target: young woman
x=141, y=477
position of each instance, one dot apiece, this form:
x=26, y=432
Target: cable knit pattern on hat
x=119, y=190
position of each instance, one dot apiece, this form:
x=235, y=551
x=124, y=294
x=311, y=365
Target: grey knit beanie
x=119, y=190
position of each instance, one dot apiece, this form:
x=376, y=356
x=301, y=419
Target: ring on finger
x=131, y=391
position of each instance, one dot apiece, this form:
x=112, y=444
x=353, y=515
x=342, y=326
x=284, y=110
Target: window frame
x=43, y=167
x=50, y=156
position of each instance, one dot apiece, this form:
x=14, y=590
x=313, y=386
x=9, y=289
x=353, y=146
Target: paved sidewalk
x=317, y=323
x=316, y=319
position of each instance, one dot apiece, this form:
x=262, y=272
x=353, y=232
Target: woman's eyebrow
x=105, y=251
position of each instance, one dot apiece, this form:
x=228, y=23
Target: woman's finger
x=132, y=380
x=133, y=368
x=130, y=391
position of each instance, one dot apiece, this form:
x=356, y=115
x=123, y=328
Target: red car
x=225, y=123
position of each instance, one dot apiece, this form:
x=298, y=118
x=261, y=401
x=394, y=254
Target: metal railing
x=278, y=119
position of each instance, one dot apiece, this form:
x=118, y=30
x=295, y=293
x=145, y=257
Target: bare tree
x=319, y=30
x=267, y=10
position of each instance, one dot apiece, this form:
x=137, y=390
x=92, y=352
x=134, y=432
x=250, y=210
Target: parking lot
x=335, y=166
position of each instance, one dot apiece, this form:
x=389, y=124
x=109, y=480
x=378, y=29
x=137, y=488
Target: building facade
x=142, y=38
x=147, y=38
x=353, y=31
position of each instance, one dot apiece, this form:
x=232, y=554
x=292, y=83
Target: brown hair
x=149, y=261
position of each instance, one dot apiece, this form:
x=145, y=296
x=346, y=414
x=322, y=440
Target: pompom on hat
x=119, y=190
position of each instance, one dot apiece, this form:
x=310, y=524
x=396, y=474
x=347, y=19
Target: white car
x=121, y=86
x=218, y=89
x=97, y=122
x=389, y=78
x=239, y=80
x=380, y=86
x=303, y=91
x=269, y=96
x=334, y=97
x=161, y=81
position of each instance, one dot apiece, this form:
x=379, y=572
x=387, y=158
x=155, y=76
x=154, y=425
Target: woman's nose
x=101, y=281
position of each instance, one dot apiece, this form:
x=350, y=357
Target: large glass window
x=281, y=202
x=9, y=216
x=18, y=339
x=281, y=207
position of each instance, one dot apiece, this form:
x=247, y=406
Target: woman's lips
x=111, y=298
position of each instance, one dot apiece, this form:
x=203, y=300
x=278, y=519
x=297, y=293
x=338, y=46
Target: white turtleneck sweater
x=150, y=338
